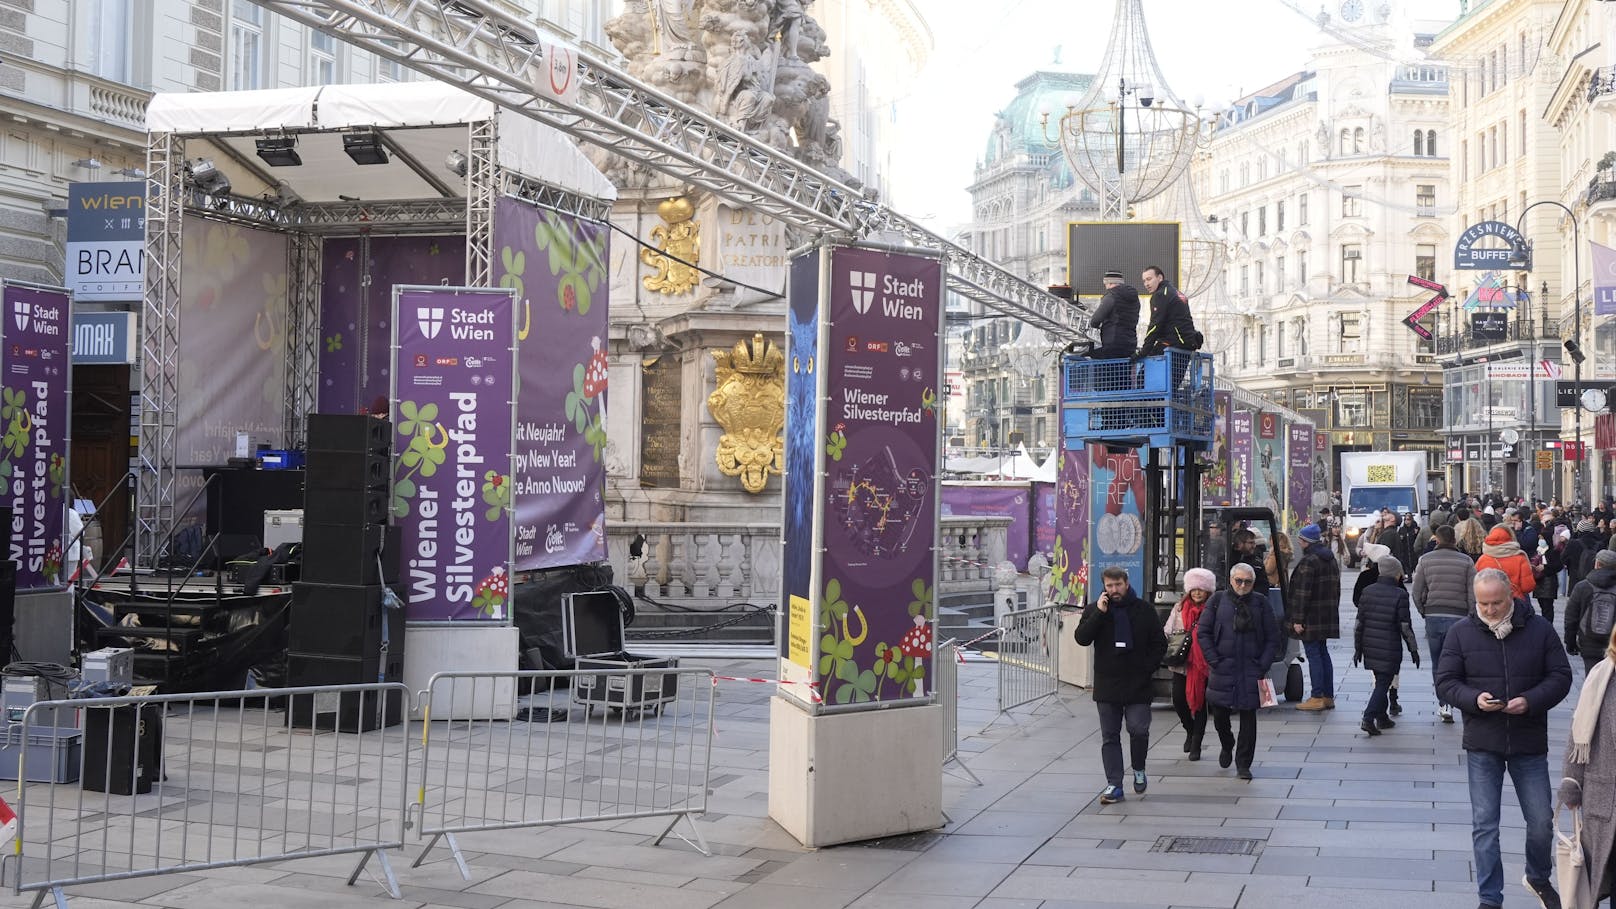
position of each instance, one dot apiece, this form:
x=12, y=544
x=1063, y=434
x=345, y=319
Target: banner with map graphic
x=883, y=362
x=34, y=412
x=454, y=414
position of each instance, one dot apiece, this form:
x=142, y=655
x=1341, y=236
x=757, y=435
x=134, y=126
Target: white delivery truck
x=1373, y=480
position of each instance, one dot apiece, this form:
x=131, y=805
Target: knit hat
x=1374, y=552
x=1389, y=567
x=1202, y=579
x=1605, y=558
x=1312, y=534
x=1585, y=526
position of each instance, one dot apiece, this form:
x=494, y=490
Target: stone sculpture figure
x=785, y=20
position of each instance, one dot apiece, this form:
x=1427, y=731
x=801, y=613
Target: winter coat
x=1502, y=552
x=1548, y=582
x=1442, y=583
x=1575, y=552
x=1369, y=575
x=1237, y=658
x=1528, y=538
x=1316, y=595
x=1597, y=780
x=1122, y=676
x=1383, y=627
x=1170, y=321
x=1529, y=663
x=1581, y=595
x=1117, y=318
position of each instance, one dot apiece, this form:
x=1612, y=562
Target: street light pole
x=1576, y=329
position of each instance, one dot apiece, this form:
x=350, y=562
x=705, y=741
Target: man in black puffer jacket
x=1503, y=666
x=1602, y=580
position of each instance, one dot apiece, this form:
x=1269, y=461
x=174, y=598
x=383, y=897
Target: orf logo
x=20, y=313
x=430, y=318
x=863, y=284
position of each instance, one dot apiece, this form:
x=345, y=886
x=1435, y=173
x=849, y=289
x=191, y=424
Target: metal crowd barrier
x=1029, y=660
x=945, y=689
x=120, y=788
x=623, y=744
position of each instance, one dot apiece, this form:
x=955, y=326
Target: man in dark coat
x=1315, y=614
x=1503, y=666
x=1128, y=646
x=1239, y=638
x=1170, y=319
x=1116, y=319
x=1591, y=647
x=1383, y=627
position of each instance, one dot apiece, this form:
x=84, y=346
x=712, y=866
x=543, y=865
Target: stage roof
x=419, y=123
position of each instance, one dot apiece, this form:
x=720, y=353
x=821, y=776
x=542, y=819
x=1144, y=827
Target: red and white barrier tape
x=813, y=689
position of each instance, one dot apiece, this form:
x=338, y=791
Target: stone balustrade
x=123, y=106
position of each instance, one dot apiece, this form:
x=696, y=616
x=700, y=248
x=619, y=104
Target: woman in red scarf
x=1189, y=678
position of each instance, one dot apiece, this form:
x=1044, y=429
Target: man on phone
x=1128, y=644
x=1504, y=668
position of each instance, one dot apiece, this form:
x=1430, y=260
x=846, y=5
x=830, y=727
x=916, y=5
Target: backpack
x=1585, y=565
x=1599, y=616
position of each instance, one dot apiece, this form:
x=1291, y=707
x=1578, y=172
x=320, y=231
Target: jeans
x=1530, y=774
x=1436, y=631
x=1111, y=721
x=1319, y=668
x=1376, y=708
x=1245, y=747
x=1194, y=723
x=1545, y=605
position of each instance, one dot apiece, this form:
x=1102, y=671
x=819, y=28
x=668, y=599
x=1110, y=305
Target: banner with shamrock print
x=454, y=415
x=556, y=265
x=35, y=413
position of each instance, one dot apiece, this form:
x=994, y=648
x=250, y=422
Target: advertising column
x=34, y=414
x=454, y=363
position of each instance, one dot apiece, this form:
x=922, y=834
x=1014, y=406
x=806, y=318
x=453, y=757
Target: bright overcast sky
x=1215, y=48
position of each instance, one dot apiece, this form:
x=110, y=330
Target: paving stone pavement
x=1338, y=820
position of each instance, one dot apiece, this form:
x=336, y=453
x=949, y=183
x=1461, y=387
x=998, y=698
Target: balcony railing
x=1600, y=191
x=1521, y=330
x=1602, y=83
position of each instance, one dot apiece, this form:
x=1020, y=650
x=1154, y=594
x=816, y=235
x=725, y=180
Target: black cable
x=768, y=294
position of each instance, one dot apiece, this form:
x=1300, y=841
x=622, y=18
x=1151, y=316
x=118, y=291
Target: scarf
x=1586, y=717
x=1502, y=627
x=1121, y=628
x=1501, y=551
x=1196, y=671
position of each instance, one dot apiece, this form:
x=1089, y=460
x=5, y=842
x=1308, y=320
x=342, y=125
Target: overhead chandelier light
x=279, y=151
x=456, y=162
x=206, y=177
x=364, y=148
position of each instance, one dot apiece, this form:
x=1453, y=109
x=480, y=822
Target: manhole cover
x=1206, y=845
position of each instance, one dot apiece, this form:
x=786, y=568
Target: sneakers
x=1111, y=795
x=1385, y=722
x=1544, y=891
x=1445, y=712
x=1315, y=703
x=1369, y=727
x=1139, y=781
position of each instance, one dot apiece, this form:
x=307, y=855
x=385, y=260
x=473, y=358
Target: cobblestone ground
x=1333, y=819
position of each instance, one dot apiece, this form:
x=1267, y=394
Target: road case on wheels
x=592, y=635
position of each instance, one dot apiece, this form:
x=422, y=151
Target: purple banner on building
x=34, y=412
x=803, y=451
x=1043, y=517
x=1299, y=476
x=1216, y=489
x=556, y=265
x=884, y=364
x=1240, y=451
x=980, y=501
x=1116, y=506
x=1268, y=470
x=453, y=409
x=1070, y=560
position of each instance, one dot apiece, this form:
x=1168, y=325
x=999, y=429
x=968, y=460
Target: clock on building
x=1352, y=10
x=1594, y=400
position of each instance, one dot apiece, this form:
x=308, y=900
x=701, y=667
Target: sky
x=1218, y=49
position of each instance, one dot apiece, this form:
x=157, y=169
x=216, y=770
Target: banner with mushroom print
x=35, y=412
x=454, y=412
x=556, y=266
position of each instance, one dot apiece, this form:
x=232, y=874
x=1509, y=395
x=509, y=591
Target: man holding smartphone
x=1129, y=644
x=1505, y=669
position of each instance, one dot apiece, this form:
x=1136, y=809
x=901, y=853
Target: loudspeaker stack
x=340, y=632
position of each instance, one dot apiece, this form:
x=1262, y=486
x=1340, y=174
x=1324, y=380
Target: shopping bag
x=1570, y=865
x=1265, y=693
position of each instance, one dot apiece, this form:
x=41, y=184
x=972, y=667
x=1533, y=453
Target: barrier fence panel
x=1029, y=652
x=945, y=688
x=600, y=744
x=132, y=787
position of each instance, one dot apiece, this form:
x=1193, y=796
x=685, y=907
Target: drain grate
x=1206, y=845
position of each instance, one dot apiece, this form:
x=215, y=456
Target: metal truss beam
x=302, y=335
x=331, y=217
x=482, y=181
x=561, y=200
x=160, y=343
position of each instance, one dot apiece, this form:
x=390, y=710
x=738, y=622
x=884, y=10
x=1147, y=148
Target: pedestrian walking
x=1591, y=611
x=1588, y=779
x=1502, y=552
x=1547, y=571
x=1239, y=639
x=1442, y=593
x=1504, y=668
x=1128, y=646
x=1472, y=535
x=1367, y=576
x=1190, y=676
x=1382, y=628
x=1314, y=616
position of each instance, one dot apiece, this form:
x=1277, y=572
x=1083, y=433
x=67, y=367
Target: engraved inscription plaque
x=659, y=429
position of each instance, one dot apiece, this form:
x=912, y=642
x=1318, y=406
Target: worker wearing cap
x=1116, y=319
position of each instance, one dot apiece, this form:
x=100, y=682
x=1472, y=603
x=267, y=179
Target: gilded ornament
x=750, y=403
x=678, y=238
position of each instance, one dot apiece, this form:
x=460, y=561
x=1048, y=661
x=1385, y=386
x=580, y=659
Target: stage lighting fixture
x=134, y=173
x=207, y=178
x=279, y=151
x=364, y=148
x=456, y=162
x=90, y=163
x=285, y=196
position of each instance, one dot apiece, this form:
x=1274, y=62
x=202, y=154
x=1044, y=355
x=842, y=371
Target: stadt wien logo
x=20, y=312
x=863, y=285
x=430, y=318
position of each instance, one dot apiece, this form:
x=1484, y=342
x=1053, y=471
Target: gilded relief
x=750, y=403
x=678, y=239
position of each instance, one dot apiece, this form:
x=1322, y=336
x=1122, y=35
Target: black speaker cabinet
x=325, y=469
x=347, y=506
x=348, y=554
x=350, y=711
x=8, y=606
x=123, y=749
x=5, y=529
x=343, y=621
x=349, y=432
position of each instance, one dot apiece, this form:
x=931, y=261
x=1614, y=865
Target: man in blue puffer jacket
x=1505, y=668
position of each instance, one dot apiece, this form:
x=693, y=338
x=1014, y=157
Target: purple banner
x=1268, y=466
x=1299, y=476
x=356, y=308
x=453, y=412
x=556, y=264
x=35, y=411
x=1116, y=504
x=1069, y=565
x=803, y=451
x=1217, y=489
x=1240, y=462
x=1043, y=518
x=880, y=496
x=978, y=501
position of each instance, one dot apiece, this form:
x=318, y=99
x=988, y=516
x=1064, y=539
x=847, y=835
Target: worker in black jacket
x=1128, y=645
x=1170, y=322
x=1116, y=319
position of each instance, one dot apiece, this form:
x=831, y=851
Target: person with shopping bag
x=1238, y=637
x=1589, y=789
